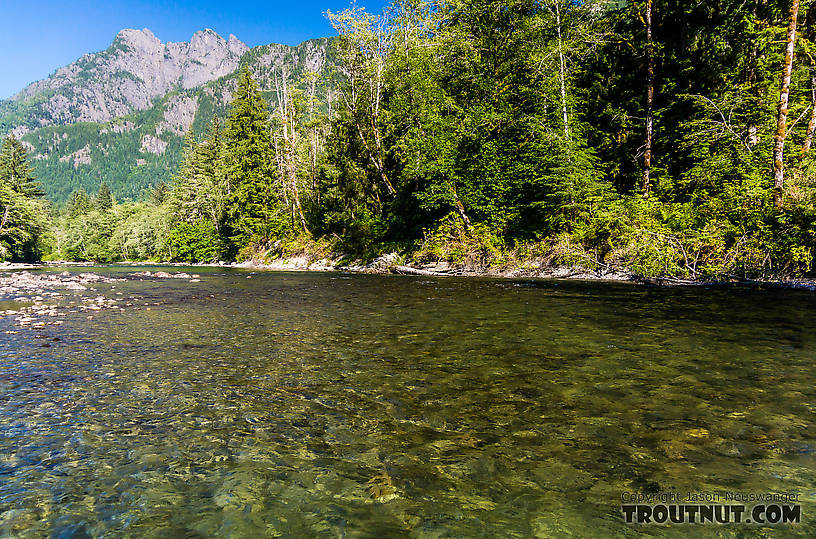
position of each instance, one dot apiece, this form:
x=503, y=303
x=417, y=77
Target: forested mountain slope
x=119, y=116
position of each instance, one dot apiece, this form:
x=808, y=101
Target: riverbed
x=249, y=404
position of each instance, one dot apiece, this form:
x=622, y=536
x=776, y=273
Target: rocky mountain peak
x=135, y=70
x=143, y=38
x=174, y=83
x=206, y=38
x=236, y=46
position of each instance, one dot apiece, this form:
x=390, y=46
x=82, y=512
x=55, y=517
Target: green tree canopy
x=15, y=170
x=104, y=198
x=23, y=216
x=248, y=156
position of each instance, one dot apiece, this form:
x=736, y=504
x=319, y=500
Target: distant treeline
x=663, y=138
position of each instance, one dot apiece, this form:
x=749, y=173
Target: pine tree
x=15, y=170
x=79, y=203
x=200, y=188
x=252, y=213
x=23, y=218
x=104, y=199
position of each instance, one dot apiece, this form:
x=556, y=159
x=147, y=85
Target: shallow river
x=334, y=405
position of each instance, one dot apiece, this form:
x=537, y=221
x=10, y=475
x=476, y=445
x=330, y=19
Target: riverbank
x=390, y=264
x=393, y=264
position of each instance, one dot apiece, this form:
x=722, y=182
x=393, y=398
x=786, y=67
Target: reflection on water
x=322, y=405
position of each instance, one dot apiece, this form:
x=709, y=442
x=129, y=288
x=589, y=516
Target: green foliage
x=82, y=155
x=104, y=199
x=128, y=231
x=247, y=157
x=87, y=238
x=519, y=120
x=79, y=204
x=15, y=170
x=24, y=218
x=199, y=190
x=475, y=132
x=142, y=233
x=451, y=241
x=113, y=149
x=194, y=242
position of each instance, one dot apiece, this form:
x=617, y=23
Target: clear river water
x=349, y=405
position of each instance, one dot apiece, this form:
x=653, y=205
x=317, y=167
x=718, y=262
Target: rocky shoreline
x=37, y=300
x=18, y=283
x=387, y=264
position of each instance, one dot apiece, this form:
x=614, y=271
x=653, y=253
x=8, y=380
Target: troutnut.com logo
x=715, y=508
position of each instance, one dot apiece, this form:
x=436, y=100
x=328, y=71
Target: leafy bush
x=451, y=241
x=194, y=242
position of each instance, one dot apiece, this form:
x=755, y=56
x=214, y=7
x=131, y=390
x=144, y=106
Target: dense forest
x=23, y=213
x=658, y=137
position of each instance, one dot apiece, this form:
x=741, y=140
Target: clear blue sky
x=37, y=37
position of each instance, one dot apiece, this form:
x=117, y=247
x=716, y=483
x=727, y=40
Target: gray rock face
x=135, y=70
x=179, y=115
x=154, y=145
x=79, y=157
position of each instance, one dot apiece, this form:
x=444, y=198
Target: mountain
x=120, y=115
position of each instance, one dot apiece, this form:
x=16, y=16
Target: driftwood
x=414, y=271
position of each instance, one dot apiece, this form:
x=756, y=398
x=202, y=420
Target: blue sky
x=38, y=37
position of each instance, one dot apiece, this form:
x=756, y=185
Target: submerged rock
x=35, y=288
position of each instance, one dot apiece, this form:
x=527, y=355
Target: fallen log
x=407, y=270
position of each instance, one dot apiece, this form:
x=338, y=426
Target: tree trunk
x=460, y=208
x=810, y=19
x=288, y=152
x=812, y=123
x=376, y=161
x=562, y=77
x=782, y=117
x=5, y=218
x=647, y=152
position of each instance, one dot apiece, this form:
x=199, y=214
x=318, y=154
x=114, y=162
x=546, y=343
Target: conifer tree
x=23, y=218
x=200, y=188
x=15, y=170
x=252, y=208
x=104, y=198
x=79, y=203
x=186, y=189
x=210, y=168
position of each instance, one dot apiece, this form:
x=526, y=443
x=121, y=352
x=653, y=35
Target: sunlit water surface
x=331, y=405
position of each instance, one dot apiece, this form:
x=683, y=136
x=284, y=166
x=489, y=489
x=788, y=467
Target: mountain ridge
x=120, y=115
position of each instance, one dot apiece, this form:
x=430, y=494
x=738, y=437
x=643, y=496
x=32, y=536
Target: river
x=349, y=405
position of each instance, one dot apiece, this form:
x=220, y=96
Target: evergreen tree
x=253, y=210
x=23, y=217
x=104, y=198
x=79, y=203
x=159, y=194
x=490, y=123
x=209, y=168
x=200, y=187
x=15, y=170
